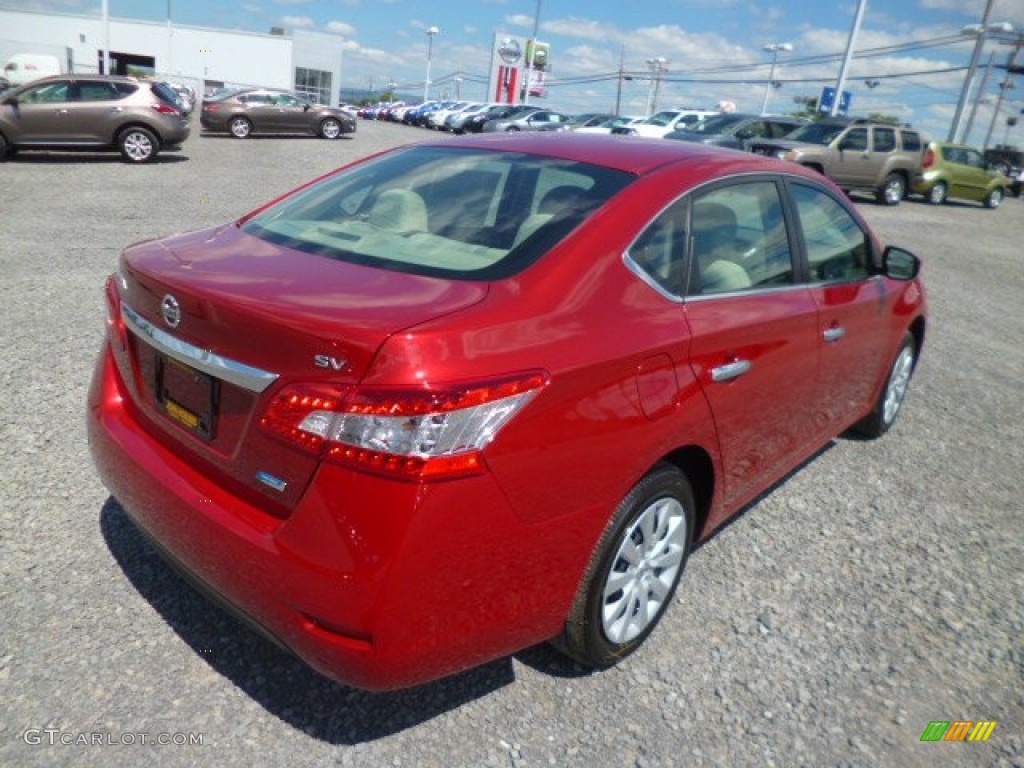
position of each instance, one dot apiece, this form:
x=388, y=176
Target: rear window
x=449, y=212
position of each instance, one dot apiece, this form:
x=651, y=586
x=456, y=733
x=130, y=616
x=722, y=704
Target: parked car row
x=142, y=118
x=245, y=111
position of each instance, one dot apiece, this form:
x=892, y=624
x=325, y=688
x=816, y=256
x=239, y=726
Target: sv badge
x=330, y=363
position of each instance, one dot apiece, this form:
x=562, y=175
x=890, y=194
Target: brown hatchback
x=138, y=118
x=242, y=112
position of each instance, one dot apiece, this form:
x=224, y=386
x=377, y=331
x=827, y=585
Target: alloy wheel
x=644, y=570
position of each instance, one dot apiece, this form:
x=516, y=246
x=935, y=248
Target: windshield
x=717, y=124
x=661, y=119
x=817, y=133
x=450, y=212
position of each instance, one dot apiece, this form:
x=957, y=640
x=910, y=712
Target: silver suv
x=138, y=118
x=856, y=154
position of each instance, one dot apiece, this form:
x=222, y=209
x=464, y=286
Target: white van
x=24, y=67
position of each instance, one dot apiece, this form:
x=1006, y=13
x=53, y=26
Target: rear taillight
x=929, y=158
x=211, y=107
x=430, y=433
x=164, y=109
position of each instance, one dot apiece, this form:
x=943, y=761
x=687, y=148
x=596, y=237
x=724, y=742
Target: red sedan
x=475, y=394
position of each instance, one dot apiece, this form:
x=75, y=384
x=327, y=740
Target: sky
x=912, y=51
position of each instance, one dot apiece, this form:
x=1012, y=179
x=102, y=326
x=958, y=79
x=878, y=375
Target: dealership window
x=314, y=84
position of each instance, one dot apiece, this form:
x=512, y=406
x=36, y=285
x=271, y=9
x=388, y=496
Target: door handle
x=833, y=334
x=730, y=371
x=62, y=111
x=117, y=109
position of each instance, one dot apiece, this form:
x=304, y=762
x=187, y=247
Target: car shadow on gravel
x=269, y=136
x=87, y=158
x=279, y=682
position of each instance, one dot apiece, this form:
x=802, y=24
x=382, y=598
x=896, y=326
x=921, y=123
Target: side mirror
x=899, y=264
x=10, y=101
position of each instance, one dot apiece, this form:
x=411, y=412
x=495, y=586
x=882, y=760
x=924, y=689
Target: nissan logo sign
x=171, y=311
x=509, y=50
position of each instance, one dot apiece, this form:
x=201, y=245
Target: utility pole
x=850, y=44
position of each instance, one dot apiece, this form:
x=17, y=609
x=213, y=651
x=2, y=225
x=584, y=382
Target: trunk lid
x=253, y=316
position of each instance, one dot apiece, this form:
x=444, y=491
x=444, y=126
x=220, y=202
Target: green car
x=954, y=170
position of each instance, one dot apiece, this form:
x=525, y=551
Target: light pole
x=657, y=65
x=981, y=31
x=851, y=43
x=532, y=47
x=774, y=48
x=431, y=31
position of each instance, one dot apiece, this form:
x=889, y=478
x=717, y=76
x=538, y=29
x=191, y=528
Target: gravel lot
x=879, y=588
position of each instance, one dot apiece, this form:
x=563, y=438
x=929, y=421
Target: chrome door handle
x=62, y=111
x=833, y=334
x=117, y=109
x=730, y=371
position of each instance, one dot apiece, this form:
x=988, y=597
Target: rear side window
x=911, y=141
x=739, y=240
x=449, y=212
x=885, y=140
x=97, y=91
x=837, y=248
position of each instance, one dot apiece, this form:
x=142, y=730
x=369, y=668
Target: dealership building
x=203, y=58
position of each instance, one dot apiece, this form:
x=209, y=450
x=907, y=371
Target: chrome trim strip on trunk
x=240, y=374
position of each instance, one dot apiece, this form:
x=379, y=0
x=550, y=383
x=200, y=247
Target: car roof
x=633, y=154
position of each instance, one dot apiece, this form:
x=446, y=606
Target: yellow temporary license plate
x=186, y=395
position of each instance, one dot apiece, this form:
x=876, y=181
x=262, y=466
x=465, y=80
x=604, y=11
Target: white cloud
x=340, y=28
x=291, y=2
x=297, y=22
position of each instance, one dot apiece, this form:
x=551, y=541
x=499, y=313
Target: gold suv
x=138, y=118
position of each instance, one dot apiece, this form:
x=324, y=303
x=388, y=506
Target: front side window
x=46, y=94
x=449, y=212
x=856, y=140
x=837, y=248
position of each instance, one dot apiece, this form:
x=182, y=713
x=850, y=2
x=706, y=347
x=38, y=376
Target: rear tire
x=138, y=145
x=633, y=572
x=240, y=127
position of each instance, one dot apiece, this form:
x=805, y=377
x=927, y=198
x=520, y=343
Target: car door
x=754, y=330
x=292, y=115
x=973, y=175
x=853, y=307
x=850, y=164
x=41, y=114
x=261, y=111
x=96, y=110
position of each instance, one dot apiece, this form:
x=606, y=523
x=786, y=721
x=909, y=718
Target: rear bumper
x=376, y=583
